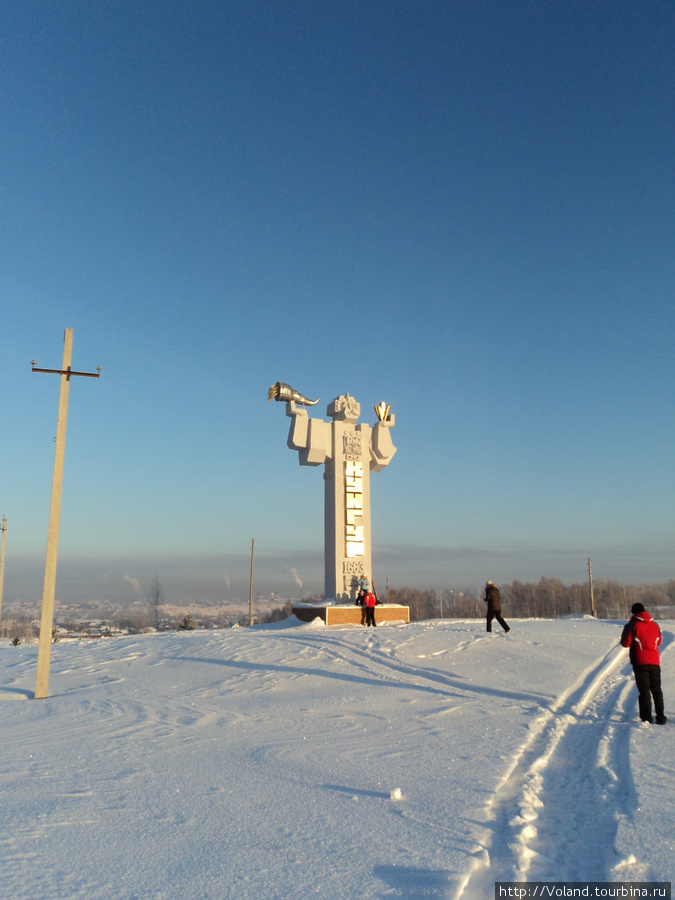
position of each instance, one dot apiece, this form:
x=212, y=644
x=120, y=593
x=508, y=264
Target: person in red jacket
x=369, y=602
x=643, y=638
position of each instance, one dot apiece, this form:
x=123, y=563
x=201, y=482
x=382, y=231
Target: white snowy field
x=293, y=761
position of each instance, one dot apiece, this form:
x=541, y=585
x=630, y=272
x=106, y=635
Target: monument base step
x=350, y=614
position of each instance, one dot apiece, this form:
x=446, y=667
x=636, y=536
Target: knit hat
x=637, y=608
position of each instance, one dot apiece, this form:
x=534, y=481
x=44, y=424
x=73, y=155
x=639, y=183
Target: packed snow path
x=423, y=761
x=555, y=817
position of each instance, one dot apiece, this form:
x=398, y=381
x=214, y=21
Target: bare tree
x=155, y=595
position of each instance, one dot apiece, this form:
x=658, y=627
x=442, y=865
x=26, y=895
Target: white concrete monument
x=349, y=452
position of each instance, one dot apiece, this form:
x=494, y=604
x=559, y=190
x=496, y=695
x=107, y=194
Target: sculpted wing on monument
x=285, y=393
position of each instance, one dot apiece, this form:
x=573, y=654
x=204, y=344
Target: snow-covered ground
x=293, y=761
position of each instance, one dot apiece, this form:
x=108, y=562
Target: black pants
x=370, y=615
x=496, y=614
x=648, y=681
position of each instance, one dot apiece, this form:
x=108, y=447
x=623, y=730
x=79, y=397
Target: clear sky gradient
x=463, y=209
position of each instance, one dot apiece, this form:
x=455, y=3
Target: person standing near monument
x=369, y=602
x=494, y=606
x=363, y=585
x=643, y=638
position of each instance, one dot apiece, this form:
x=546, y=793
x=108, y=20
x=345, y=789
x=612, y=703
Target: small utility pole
x=47, y=615
x=250, y=589
x=3, y=528
x=590, y=584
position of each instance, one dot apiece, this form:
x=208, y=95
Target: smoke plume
x=135, y=583
x=294, y=575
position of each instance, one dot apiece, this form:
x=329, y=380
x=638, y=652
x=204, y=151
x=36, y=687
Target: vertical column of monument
x=364, y=560
x=331, y=513
x=335, y=512
x=347, y=510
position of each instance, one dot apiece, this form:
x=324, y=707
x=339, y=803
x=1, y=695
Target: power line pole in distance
x=590, y=584
x=250, y=587
x=3, y=528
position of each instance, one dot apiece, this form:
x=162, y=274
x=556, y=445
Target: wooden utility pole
x=47, y=615
x=3, y=528
x=590, y=584
x=250, y=588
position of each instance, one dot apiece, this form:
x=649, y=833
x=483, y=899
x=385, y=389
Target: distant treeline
x=549, y=598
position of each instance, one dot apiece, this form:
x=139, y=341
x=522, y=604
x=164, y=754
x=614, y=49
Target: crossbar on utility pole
x=47, y=614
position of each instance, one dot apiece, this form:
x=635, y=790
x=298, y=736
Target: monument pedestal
x=344, y=614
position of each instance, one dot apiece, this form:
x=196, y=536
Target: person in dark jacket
x=363, y=588
x=494, y=606
x=643, y=638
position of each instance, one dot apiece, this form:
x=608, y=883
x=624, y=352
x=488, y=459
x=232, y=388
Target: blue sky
x=464, y=209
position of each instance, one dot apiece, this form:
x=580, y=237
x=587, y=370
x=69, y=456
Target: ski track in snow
x=574, y=766
x=552, y=815
x=556, y=813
